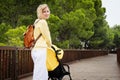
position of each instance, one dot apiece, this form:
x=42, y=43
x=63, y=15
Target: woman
x=39, y=51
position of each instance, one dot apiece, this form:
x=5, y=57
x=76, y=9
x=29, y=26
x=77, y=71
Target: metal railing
x=16, y=63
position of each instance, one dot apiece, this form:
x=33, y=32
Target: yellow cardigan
x=41, y=26
x=44, y=41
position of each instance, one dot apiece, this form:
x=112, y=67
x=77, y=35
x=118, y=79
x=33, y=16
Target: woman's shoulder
x=43, y=21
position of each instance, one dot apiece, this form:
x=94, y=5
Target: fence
x=118, y=55
x=16, y=63
x=72, y=55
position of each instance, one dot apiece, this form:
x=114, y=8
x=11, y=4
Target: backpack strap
x=37, y=39
x=38, y=35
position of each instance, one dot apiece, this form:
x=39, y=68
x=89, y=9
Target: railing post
x=118, y=55
x=14, y=65
x=0, y=66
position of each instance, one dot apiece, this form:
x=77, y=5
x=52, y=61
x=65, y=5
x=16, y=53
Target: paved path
x=98, y=68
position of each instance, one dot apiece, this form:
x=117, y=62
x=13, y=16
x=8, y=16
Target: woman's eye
x=46, y=11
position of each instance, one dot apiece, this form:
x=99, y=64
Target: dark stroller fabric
x=60, y=71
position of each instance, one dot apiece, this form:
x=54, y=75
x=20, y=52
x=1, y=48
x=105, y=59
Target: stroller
x=61, y=70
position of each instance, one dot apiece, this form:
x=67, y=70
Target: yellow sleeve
x=45, y=32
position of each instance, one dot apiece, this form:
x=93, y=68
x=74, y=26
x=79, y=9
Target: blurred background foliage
x=74, y=24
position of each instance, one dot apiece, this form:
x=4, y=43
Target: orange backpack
x=29, y=40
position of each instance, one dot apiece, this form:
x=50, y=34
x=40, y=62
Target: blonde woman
x=39, y=51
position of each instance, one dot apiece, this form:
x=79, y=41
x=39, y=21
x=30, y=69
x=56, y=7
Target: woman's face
x=46, y=13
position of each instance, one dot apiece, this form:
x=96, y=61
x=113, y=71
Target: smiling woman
x=39, y=51
x=112, y=12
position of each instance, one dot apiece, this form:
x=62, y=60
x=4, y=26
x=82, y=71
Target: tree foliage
x=15, y=36
x=3, y=29
x=71, y=23
x=100, y=37
x=116, y=31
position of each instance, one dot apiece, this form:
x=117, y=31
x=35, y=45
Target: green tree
x=116, y=31
x=25, y=20
x=101, y=28
x=54, y=23
x=78, y=27
x=77, y=23
x=71, y=22
x=11, y=10
x=15, y=36
x=3, y=29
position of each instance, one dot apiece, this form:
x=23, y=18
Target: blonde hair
x=40, y=9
